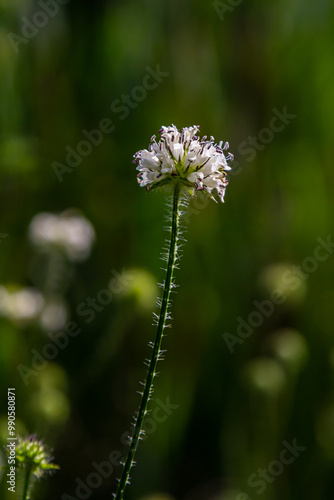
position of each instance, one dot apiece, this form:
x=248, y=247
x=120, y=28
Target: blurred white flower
x=72, y=233
x=54, y=314
x=181, y=156
x=21, y=305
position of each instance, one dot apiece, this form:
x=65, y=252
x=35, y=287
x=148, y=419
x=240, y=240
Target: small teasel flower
x=183, y=157
x=33, y=453
x=34, y=459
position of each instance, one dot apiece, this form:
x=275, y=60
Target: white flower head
x=183, y=157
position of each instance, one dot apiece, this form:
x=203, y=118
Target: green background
x=236, y=399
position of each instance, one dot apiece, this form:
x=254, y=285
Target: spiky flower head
x=183, y=157
x=33, y=454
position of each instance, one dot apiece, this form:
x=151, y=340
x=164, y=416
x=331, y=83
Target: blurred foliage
x=81, y=325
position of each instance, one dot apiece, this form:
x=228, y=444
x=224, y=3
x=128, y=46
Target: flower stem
x=148, y=388
x=26, y=483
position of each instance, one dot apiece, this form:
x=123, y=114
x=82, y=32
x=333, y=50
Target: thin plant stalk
x=148, y=387
x=27, y=482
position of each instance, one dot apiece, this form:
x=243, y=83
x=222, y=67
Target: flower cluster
x=183, y=157
x=34, y=455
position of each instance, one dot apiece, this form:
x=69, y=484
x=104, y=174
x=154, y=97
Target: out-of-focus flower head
x=69, y=232
x=33, y=453
x=24, y=304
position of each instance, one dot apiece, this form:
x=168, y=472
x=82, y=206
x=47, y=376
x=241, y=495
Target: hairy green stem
x=124, y=479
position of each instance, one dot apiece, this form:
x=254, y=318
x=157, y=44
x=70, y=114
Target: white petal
x=177, y=151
